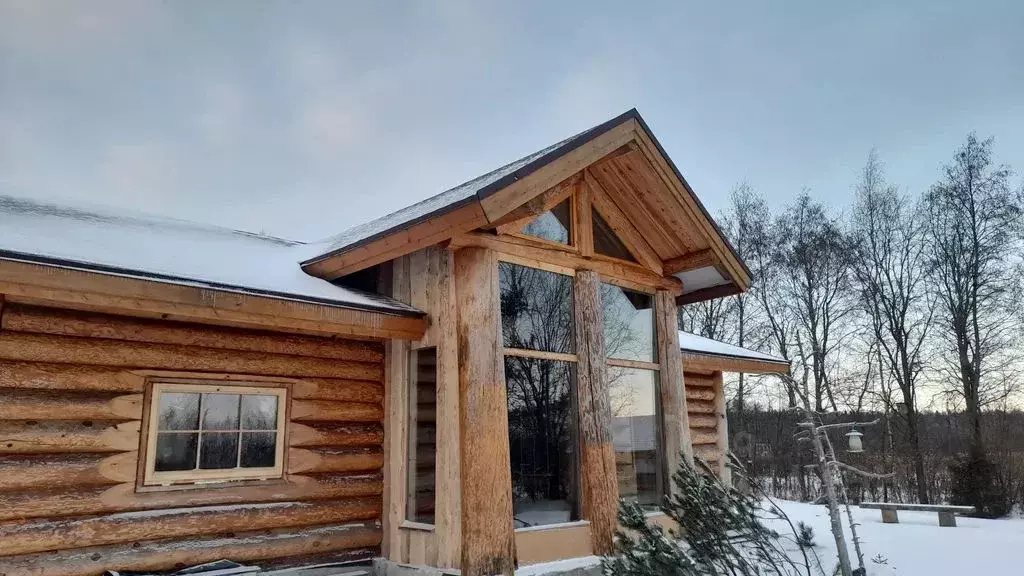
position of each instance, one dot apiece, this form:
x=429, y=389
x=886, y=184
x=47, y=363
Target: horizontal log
x=700, y=436
x=48, y=437
x=173, y=554
x=64, y=349
x=62, y=471
x=44, y=376
x=703, y=421
x=49, y=405
x=123, y=497
x=91, y=325
x=339, y=390
x=326, y=411
x=700, y=407
x=302, y=435
x=708, y=452
x=699, y=380
x=699, y=394
x=302, y=460
x=42, y=535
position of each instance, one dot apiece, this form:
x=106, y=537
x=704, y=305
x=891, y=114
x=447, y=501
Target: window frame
x=149, y=478
x=412, y=440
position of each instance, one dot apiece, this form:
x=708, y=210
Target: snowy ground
x=918, y=545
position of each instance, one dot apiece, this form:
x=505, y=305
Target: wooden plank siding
x=71, y=412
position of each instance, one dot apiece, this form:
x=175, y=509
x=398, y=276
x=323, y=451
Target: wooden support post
x=675, y=421
x=722, y=424
x=448, y=511
x=488, y=539
x=599, y=485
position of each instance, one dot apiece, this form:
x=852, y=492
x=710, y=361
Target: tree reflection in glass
x=536, y=309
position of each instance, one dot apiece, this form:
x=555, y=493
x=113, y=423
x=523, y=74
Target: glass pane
x=219, y=450
x=220, y=411
x=636, y=434
x=536, y=309
x=554, y=225
x=178, y=411
x=606, y=242
x=259, y=412
x=176, y=451
x=258, y=449
x=422, y=435
x=628, y=324
x=542, y=440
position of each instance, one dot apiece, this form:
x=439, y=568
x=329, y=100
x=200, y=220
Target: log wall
x=705, y=403
x=72, y=391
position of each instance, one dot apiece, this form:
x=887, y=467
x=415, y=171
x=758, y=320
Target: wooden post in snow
x=676, y=424
x=488, y=539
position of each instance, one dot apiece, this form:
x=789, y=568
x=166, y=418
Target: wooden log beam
x=599, y=482
x=47, y=405
x=63, y=471
x=675, y=423
x=42, y=285
x=69, y=323
x=82, y=501
x=448, y=511
x=302, y=460
x=712, y=363
x=338, y=390
x=53, y=436
x=63, y=349
x=488, y=543
x=337, y=435
x=721, y=414
x=327, y=411
x=698, y=421
x=708, y=294
x=170, y=554
x=519, y=217
x=48, y=376
x=690, y=261
x=699, y=393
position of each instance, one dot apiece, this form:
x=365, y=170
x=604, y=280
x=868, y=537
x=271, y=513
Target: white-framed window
x=201, y=432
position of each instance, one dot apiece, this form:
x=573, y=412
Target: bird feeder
x=853, y=436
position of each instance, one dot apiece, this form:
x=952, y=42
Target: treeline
x=904, y=303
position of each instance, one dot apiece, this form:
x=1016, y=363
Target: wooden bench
x=947, y=513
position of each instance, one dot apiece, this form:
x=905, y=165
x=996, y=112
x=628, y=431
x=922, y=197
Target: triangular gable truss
x=616, y=168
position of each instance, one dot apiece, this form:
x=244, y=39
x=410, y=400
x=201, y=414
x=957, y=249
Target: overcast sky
x=302, y=118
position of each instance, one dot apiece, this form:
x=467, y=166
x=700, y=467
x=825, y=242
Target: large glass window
x=536, y=309
x=422, y=453
x=628, y=324
x=631, y=347
x=537, y=329
x=606, y=242
x=554, y=225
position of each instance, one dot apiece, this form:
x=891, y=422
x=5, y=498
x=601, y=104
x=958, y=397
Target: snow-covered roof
x=172, y=251
x=689, y=342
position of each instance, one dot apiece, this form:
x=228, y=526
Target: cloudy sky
x=302, y=118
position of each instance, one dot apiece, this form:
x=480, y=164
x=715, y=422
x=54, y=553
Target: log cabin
x=471, y=383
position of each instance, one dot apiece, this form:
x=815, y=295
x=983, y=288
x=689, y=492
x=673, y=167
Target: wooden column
x=448, y=512
x=722, y=424
x=396, y=424
x=488, y=539
x=675, y=422
x=599, y=489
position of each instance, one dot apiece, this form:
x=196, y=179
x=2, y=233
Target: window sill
x=418, y=526
x=559, y=526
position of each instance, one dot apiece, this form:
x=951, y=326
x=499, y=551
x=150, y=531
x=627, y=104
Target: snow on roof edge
x=699, y=344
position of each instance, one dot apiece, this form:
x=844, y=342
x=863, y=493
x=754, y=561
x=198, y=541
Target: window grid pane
x=536, y=309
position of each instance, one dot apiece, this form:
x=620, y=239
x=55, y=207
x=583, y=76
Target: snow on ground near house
x=918, y=545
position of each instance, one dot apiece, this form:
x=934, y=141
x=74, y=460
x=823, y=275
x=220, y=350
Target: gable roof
x=171, y=251
x=484, y=201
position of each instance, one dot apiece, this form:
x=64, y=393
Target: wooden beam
x=42, y=285
x=33, y=473
x=583, y=222
x=503, y=201
x=45, y=405
x=690, y=261
x=448, y=502
x=68, y=436
x=713, y=363
x=624, y=228
x=708, y=294
x=722, y=436
x=68, y=323
x=322, y=460
x=488, y=544
x=599, y=481
x=160, y=555
x=521, y=216
x=625, y=271
x=335, y=435
x=469, y=216
x=675, y=423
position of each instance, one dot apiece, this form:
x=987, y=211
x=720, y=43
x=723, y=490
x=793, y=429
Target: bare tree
x=973, y=223
x=888, y=242
x=814, y=256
